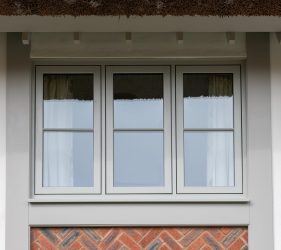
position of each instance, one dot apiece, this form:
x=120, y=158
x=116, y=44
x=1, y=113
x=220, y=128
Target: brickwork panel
x=162, y=238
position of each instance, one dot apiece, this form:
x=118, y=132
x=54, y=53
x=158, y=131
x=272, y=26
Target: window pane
x=138, y=100
x=208, y=100
x=209, y=159
x=68, y=101
x=68, y=159
x=138, y=159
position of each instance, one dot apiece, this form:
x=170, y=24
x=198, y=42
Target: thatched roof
x=141, y=7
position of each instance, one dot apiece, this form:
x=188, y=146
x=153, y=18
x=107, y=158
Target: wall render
x=2, y=138
x=18, y=143
x=275, y=61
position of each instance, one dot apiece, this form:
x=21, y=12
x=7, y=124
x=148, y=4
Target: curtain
x=220, y=165
x=57, y=87
x=58, y=146
x=220, y=86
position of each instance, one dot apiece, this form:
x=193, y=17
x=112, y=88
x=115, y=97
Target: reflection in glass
x=138, y=100
x=209, y=159
x=68, y=159
x=138, y=159
x=208, y=100
x=68, y=101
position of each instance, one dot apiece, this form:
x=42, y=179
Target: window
x=208, y=129
x=139, y=131
x=68, y=130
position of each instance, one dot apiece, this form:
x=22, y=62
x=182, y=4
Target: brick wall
x=190, y=238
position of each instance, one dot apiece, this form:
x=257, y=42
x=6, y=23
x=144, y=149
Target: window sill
x=222, y=198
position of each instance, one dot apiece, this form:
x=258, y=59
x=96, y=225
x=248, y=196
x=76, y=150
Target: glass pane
x=138, y=159
x=68, y=159
x=68, y=101
x=208, y=100
x=209, y=159
x=138, y=100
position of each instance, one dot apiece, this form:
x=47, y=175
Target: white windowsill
x=143, y=199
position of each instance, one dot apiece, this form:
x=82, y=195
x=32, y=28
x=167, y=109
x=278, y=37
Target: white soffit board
x=139, y=24
x=143, y=45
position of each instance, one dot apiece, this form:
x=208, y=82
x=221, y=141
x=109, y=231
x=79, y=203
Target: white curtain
x=220, y=165
x=58, y=146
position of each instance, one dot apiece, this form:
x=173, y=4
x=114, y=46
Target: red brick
x=35, y=245
x=197, y=244
x=115, y=245
x=102, y=231
x=75, y=245
x=184, y=230
x=175, y=233
x=35, y=233
x=143, y=230
x=109, y=239
x=226, y=230
x=237, y=245
x=164, y=247
x=172, y=243
x=129, y=242
x=45, y=243
x=217, y=233
x=245, y=236
x=132, y=232
x=206, y=248
x=137, y=238
x=150, y=236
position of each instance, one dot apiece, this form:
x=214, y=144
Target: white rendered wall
x=2, y=138
x=18, y=129
x=275, y=55
x=259, y=143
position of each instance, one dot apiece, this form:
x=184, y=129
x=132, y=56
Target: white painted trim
x=139, y=24
x=40, y=71
x=25, y=36
x=155, y=198
x=138, y=214
x=3, y=79
x=179, y=37
x=231, y=38
x=259, y=143
x=110, y=71
x=275, y=74
x=18, y=145
x=235, y=70
x=139, y=197
x=76, y=38
x=128, y=37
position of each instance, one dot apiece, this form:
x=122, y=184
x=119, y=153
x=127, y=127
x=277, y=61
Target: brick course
x=137, y=238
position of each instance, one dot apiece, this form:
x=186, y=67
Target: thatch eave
x=140, y=7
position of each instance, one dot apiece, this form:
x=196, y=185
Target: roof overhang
x=139, y=24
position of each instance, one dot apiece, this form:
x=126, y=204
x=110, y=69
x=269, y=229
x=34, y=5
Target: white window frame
x=174, y=190
x=40, y=71
x=110, y=71
x=238, y=168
